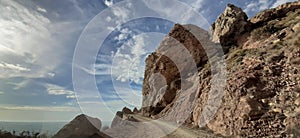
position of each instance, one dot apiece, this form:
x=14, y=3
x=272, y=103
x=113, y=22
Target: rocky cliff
x=261, y=95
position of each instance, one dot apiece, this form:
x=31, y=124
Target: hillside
x=245, y=81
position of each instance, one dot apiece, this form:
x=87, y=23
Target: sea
x=48, y=128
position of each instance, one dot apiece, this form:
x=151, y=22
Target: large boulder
x=81, y=126
x=230, y=25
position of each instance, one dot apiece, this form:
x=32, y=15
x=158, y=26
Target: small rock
x=297, y=101
x=277, y=110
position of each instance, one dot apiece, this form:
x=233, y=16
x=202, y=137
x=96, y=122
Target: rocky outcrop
x=82, y=126
x=229, y=26
x=261, y=96
x=259, y=100
x=127, y=110
x=273, y=25
x=167, y=69
x=122, y=118
x=135, y=110
x=278, y=12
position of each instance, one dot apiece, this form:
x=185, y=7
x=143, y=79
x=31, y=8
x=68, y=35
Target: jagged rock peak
x=127, y=110
x=230, y=25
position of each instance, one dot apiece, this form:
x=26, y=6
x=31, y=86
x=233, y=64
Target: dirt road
x=180, y=131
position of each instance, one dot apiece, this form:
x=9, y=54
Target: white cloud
x=41, y=9
x=108, y=2
x=54, y=91
x=128, y=59
x=117, y=14
x=19, y=85
x=1, y=93
x=41, y=108
x=122, y=13
x=108, y=19
x=125, y=33
x=197, y=4
x=71, y=96
x=279, y=2
x=51, y=74
x=255, y=6
x=6, y=66
x=26, y=41
x=58, y=90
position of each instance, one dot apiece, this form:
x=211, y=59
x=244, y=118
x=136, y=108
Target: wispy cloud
x=40, y=108
x=36, y=48
x=128, y=59
x=255, y=6
x=25, y=40
x=58, y=90
x=1, y=92
x=6, y=66
x=41, y=9
x=197, y=4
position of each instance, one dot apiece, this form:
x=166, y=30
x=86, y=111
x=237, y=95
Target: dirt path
x=144, y=127
x=180, y=132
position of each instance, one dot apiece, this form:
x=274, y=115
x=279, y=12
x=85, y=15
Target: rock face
x=259, y=100
x=261, y=96
x=81, y=127
x=167, y=68
x=230, y=25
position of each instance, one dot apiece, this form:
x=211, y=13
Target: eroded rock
x=81, y=126
x=229, y=26
x=169, y=66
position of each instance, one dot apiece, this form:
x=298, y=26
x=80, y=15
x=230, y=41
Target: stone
x=297, y=102
x=81, y=126
x=230, y=25
x=135, y=110
x=126, y=110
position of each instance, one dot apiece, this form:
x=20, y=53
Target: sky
x=62, y=58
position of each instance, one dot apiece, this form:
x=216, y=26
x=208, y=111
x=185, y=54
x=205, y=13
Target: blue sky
x=39, y=40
